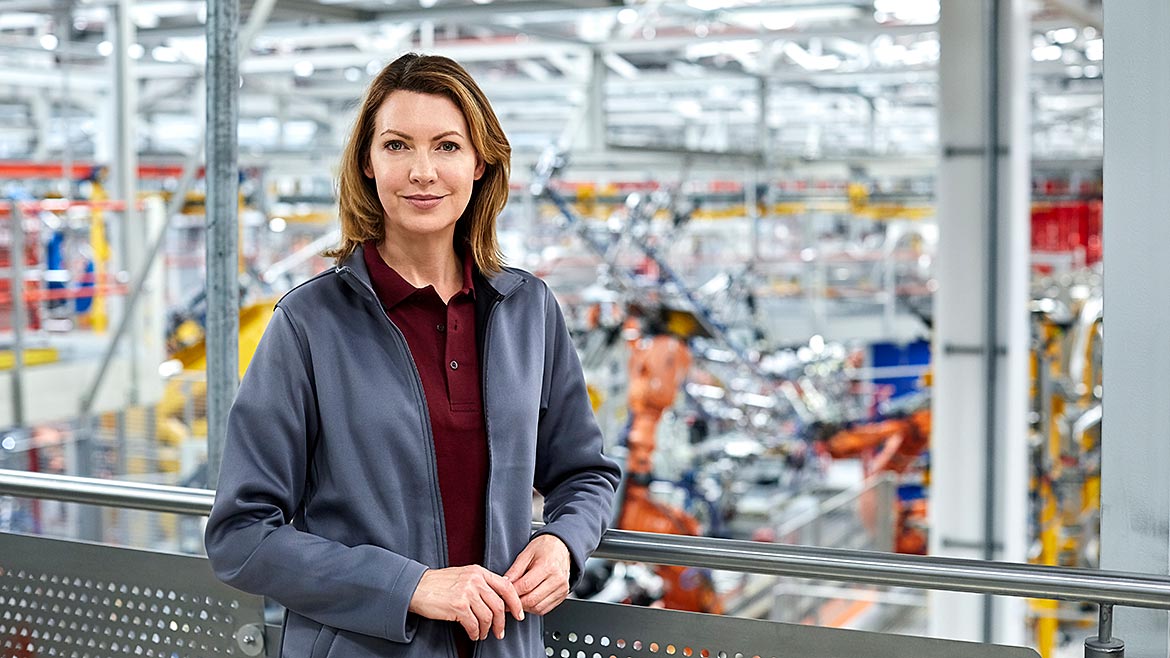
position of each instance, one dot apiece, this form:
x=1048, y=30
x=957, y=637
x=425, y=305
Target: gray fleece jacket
x=328, y=499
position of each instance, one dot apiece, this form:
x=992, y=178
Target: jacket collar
x=501, y=284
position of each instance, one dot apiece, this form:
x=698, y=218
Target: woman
x=381, y=451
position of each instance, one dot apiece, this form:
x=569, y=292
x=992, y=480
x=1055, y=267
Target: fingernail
x=521, y=615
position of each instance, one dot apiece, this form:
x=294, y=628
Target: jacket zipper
x=426, y=414
x=487, y=431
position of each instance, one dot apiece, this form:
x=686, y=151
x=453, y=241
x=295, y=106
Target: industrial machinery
x=896, y=445
x=658, y=365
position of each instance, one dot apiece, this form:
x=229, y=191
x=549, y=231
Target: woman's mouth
x=423, y=201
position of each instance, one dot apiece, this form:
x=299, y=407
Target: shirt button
x=440, y=327
x=454, y=365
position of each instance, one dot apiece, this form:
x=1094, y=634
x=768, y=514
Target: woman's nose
x=422, y=170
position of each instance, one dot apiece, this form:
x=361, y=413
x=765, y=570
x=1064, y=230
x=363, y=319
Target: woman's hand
x=541, y=574
x=473, y=596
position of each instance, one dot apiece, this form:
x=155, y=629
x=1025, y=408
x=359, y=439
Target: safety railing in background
x=859, y=518
x=1104, y=588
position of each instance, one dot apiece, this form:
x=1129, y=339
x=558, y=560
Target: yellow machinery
x=1066, y=477
x=182, y=391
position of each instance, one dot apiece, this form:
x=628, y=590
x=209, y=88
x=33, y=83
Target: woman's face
x=423, y=163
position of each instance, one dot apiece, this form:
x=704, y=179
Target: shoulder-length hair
x=362, y=216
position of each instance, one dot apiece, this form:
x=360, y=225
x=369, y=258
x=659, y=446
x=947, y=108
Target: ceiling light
x=776, y=23
x=105, y=48
x=303, y=69
x=277, y=225
x=1047, y=53
x=353, y=74
x=144, y=18
x=1092, y=71
x=627, y=15
x=165, y=54
x=701, y=30
x=1095, y=50
x=373, y=66
x=689, y=108
x=48, y=42
x=426, y=4
x=1063, y=35
x=136, y=51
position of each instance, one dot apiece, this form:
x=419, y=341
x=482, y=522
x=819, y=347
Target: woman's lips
x=424, y=201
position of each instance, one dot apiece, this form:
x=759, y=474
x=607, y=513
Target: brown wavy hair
x=362, y=215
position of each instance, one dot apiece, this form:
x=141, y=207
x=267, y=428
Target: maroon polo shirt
x=441, y=338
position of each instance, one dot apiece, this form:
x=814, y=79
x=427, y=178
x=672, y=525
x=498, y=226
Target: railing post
x=1104, y=645
x=19, y=319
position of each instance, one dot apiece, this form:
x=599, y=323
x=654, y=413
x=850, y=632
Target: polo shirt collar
x=389, y=285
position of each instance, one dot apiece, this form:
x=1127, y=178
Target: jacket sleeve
x=250, y=542
x=576, y=479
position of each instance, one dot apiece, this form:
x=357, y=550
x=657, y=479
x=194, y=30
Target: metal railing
x=1105, y=588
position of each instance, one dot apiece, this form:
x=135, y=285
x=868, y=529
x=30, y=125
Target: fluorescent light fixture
x=303, y=69
x=689, y=108
x=627, y=15
x=165, y=54
x=277, y=225
x=1095, y=50
x=1063, y=35
x=775, y=22
x=105, y=48
x=49, y=41
x=1047, y=53
x=136, y=51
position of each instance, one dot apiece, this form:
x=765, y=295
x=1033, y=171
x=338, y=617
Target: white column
x=963, y=393
x=1135, y=495
x=131, y=240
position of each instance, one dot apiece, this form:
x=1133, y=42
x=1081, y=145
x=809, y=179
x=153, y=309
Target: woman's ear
x=368, y=170
x=480, y=165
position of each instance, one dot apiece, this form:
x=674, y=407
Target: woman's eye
x=395, y=145
x=449, y=147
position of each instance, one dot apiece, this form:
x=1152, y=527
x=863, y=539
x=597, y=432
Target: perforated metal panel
x=78, y=600
x=583, y=629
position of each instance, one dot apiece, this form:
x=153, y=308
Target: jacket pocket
x=324, y=642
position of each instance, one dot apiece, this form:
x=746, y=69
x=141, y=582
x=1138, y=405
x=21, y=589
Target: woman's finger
x=483, y=618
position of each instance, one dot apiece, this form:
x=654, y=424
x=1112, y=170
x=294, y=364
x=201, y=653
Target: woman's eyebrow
x=433, y=139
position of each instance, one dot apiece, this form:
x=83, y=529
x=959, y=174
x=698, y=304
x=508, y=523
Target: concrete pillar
x=978, y=498
x=1135, y=441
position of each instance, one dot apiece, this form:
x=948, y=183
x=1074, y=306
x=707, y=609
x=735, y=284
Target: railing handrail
x=924, y=572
